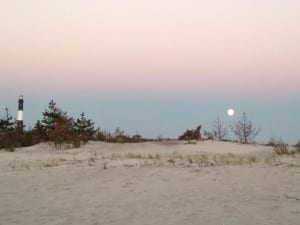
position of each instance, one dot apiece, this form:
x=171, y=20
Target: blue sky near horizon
x=156, y=67
x=169, y=117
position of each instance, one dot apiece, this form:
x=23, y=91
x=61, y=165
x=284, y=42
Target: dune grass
x=151, y=159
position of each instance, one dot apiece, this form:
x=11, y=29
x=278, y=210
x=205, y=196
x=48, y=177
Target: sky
x=154, y=67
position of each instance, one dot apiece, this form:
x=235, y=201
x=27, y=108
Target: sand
x=150, y=183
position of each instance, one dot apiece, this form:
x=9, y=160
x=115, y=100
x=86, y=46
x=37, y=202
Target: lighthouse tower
x=20, y=113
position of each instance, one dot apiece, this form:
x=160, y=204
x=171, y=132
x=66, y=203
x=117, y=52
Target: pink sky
x=157, y=67
x=151, y=45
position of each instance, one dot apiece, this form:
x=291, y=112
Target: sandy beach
x=150, y=183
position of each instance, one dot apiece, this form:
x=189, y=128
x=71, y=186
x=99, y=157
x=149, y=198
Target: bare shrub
x=207, y=135
x=245, y=130
x=297, y=146
x=279, y=147
x=219, y=131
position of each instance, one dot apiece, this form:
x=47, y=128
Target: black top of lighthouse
x=21, y=102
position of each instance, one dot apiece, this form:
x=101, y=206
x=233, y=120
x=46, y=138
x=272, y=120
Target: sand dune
x=149, y=183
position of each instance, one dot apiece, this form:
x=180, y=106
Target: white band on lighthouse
x=20, y=115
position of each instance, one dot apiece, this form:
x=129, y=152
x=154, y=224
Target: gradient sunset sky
x=156, y=67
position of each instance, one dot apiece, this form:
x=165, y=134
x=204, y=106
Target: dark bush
x=191, y=134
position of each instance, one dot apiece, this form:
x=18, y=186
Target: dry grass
x=92, y=160
x=270, y=159
x=132, y=155
x=105, y=165
x=50, y=163
x=202, y=160
x=252, y=159
x=174, y=158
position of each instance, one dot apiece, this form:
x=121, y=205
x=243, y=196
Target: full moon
x=230, y=112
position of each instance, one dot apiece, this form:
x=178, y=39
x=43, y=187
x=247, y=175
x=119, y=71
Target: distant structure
x=20, y=113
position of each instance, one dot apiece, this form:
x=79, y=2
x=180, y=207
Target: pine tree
x=40, y=132
x=7, y=123
x=51, y=116
x=119, y=135
x=84, y=128
x=8, y=135
x=56, y=126
x=63, y=132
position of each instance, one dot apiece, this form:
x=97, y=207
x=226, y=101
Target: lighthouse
x=20, y=113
